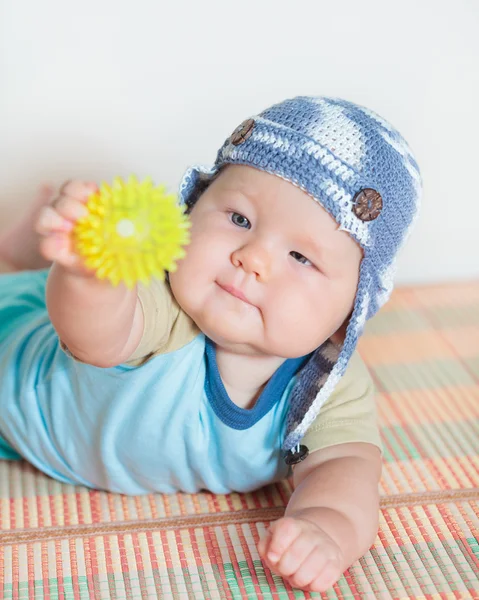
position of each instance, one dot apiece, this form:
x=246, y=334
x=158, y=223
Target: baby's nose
x=255, y=259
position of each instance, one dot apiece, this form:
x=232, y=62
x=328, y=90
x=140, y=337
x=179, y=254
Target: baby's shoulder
x=166, y=327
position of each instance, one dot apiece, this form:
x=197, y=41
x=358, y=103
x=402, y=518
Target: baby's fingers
x=70, y=209
x=294, y=556
x=316, y=572
x=78, y=190
x=57, y=248
x=328, y=577
x=50, y=221
x=72, y=198
x=283, y=533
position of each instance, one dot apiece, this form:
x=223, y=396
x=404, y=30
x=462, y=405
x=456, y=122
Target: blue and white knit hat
x=362, y=171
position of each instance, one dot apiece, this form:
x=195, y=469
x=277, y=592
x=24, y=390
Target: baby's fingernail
x=273, y=557
x=67, y=225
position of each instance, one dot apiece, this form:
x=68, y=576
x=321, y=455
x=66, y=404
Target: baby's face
x=267, y=271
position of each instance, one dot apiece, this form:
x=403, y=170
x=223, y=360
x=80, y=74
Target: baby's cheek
x=288, y=328
x=181, y=286
x=309, y=324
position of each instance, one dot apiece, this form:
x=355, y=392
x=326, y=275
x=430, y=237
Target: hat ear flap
x=320, y=375
x=339, y=335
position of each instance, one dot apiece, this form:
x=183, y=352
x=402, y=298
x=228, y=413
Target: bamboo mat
x=60, y=541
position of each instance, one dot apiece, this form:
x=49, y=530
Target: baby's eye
x=240, y=221
x=300, y=258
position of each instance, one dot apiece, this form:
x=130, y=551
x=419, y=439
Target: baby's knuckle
x=66, y=207
x=285, y=568
x=334, y=554
x=288, y=525
x=66, y=185
x=296, y=551
x=57, y=203
x=300, y=579
x=81, y=189
x=62, y=204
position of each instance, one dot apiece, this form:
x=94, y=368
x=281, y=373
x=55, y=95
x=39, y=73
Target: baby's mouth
x=235, y=292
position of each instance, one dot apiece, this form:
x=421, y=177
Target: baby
x=240, y=369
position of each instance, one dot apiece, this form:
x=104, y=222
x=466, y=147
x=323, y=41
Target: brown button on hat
x=367, y=204
x=242, y=133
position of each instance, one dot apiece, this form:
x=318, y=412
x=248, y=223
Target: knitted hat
x=361, y=170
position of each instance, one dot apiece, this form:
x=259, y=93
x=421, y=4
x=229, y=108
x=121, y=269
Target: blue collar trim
x=244, y=418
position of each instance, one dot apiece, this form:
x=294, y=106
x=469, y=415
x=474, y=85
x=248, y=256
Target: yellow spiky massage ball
x=133, y=231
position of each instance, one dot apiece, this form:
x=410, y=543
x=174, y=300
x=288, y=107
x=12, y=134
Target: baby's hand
x=302, y=553
x=56, y=221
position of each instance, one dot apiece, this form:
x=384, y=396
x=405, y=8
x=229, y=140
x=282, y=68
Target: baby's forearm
x=341, y=496
x=100, y=324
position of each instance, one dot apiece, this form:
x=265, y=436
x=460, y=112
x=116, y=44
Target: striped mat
x=60, y=541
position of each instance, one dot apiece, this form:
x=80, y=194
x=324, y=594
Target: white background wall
x=99, y=88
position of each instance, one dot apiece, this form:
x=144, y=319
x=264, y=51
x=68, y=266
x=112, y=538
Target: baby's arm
x=100, y=324
x=331, y=519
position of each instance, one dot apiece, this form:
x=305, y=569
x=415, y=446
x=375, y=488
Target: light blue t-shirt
x=165, y=426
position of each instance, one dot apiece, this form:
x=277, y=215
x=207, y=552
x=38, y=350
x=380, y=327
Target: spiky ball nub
x=133, y=231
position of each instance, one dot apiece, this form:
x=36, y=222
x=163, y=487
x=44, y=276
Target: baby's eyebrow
x=226, y=192
x=321, y=249
x=313, y=243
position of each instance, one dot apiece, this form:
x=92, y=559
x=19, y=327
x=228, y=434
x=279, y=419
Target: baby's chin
x=230, y=321
x=229, y=336
x=246, y=343
x=233, y=336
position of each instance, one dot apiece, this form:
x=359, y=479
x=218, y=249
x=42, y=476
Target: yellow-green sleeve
x=166, y=327
x=349, y=414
